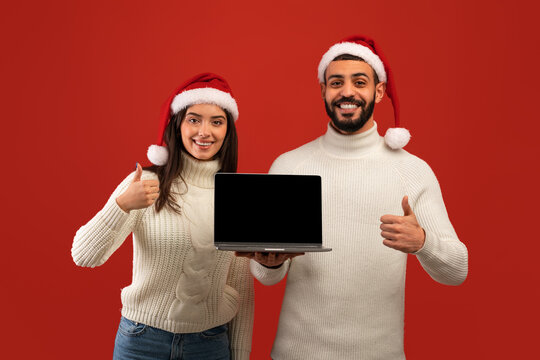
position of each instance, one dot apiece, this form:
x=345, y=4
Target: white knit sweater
x=349, y=303
x=181, y=283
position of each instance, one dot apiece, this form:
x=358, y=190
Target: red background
x=82, y=86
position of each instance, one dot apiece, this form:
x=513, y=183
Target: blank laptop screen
x=267, y=208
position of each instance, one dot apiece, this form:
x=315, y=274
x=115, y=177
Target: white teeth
x=203, y=144
x=348, y=106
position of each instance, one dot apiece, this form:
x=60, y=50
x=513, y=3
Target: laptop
x=268, y=213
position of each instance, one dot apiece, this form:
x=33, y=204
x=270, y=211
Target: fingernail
x=136, y=166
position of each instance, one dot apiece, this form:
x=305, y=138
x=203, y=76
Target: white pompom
x=157, y=155
x=397, y=138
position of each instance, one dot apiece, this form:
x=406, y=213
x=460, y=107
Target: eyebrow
x=353, y=75
x=212, y=117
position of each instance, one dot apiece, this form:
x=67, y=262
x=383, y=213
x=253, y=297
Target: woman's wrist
x=121, y=204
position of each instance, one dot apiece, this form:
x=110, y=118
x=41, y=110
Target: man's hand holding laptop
x=268, y=259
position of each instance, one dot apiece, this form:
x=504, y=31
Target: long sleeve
x=268, y=276
x=180, y=283
x=97, y=240
x=444, y=257
x=241, y=326
x=360, y=285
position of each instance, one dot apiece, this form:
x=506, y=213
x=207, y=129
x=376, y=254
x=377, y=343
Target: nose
x=204, y=130
x=347, y=89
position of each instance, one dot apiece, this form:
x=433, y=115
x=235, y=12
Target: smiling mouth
x=202, y=144
x=347, y=106
x=348, y=103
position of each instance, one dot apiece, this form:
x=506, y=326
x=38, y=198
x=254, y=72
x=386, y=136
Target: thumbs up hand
x=139, y=194
x=403, y=233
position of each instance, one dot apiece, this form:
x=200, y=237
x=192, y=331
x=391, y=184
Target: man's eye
x=336, y=83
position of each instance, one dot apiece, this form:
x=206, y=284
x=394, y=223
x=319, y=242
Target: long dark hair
x=228, y=155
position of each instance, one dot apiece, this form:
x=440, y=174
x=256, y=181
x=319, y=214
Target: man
x=380, y=204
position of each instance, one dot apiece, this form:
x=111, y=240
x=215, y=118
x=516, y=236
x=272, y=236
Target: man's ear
x=380, y=89
x=323, y=90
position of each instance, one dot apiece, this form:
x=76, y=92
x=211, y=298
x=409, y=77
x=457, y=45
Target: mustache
x=351, y=100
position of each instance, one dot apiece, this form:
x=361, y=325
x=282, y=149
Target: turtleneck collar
x=199, y=173
x=351, y=146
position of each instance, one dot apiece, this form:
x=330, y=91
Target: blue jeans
x=136, y=341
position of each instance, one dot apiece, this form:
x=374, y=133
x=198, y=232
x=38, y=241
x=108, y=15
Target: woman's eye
x=193, y=120
x=218, y=122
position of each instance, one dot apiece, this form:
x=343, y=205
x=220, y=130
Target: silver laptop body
x=268, y=213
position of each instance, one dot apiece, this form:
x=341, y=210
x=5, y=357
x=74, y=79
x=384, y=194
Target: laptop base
x=277, y=248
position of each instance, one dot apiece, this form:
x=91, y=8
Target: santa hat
x=206, y=88
x=365, y=48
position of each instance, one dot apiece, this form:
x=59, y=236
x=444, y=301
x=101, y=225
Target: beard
x=350, y=124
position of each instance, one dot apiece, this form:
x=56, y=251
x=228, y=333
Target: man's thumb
x=138, y=173
x=407, y=210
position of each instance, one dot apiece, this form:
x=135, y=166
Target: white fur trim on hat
x=157, y=155
x=397, y=138
x=352, y=49
x=205, y=96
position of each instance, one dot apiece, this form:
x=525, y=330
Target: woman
x=186, y=300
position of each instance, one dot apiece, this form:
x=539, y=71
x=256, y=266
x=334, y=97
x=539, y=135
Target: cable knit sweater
x=349, y=303
x=180, y=283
